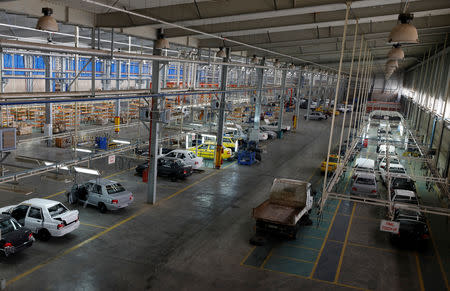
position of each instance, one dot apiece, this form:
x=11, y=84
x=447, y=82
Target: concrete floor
x=196, y=236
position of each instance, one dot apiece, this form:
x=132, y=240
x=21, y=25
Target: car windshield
x=114, y=188
x=6, y=226
x=333, y=160
x=405, y=200
x=57, y=209
x=401, y=183
x=365, y=181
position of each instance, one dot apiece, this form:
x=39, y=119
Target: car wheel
x=173, y=178
x=102, y=207
x=43, y=234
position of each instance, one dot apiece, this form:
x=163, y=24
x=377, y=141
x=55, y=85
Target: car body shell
x=188, y=157
x=365, y=184
x=34, y=214
x=316, y=115
x=332, y=164
x=14, y=237
x=208, y=150
x=107, y=192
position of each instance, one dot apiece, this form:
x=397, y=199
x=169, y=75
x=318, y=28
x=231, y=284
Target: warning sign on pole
x=111, y=159
x=390, y=226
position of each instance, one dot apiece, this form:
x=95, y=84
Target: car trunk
x=122, y=197
x=16, y=238
x=68, y=217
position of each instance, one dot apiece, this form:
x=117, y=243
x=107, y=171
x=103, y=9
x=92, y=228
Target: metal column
x=311, y=83
x=154, y=128
x=93, y=63
x=297, y=102
x=48, y=127
x=219, y=139
x=282, y=97
x=254, y=135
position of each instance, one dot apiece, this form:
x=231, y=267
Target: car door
x=96, y=194
x=202, y=151
x=34, y=219
x=184, y=158
x=19, y=213
x=211, y=151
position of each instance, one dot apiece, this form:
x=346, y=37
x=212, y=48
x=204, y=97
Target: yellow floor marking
x=140, y=212
x=341, y=259
x=438, y=256
x=315, y=237
x=248, y=255
x=56, y=194
x=293, y=259
x=312, y=279
x=324, y=241
x=267, y=258
x=335, y=241
x=376, y=248
x=419, y=272
x=93, y=225
x=301, y=247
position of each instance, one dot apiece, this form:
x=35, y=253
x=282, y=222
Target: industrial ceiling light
x=404, y=32
x=292, y=66
x=392, y=63
x=47, y=22
x=254, y=60
x=161, y=41
x=277, y=63
x=221, y=53
x=86, y=171
x=396, y=53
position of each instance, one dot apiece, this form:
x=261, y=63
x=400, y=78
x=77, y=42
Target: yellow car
x=207, y=150
x=332, y=164
x=229, y=142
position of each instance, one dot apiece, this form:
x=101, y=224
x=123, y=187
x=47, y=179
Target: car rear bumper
x=65, y=230
x=15, y=249
x=119, y=206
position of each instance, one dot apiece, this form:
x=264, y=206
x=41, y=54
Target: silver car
x=316, y=115
x=365, y=184
x=102, y=193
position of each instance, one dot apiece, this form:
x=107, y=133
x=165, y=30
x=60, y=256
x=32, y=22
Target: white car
x=394, y=170
x=365, y=184
x=188, y=158
x=316, y=115
x=44, y=217
x=404, y=196
x=270, y=133
x=382, y=151
x=363, y=165
x=393, y=160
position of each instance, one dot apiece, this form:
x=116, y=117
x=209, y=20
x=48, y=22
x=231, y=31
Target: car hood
x=6, y=209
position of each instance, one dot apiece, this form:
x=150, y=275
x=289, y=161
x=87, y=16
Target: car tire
x=173, y=179
x=44, y=234
x=102, y=207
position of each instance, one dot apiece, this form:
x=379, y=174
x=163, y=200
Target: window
x=35, y=213
x=203, y=147
x=365, y=181
x=19, y=212
x=6, y=226
x=97, y=189
x=212, y=147
x=182, y=156
x=114, y=188
x=57, y=210
x=191, y=155
x=171, y=155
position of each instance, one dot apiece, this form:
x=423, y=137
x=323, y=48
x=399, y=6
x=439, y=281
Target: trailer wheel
x=258, y=240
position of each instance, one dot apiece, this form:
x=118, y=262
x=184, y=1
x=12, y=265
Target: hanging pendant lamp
x=396, y=53
x=404, y=32
x=254, y=60
x=47, y=22
x=221, y=53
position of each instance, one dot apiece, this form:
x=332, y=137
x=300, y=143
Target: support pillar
x=154, y=128
x=48, y=126
x=219, y=138
x=297, y=102
x=282, y=98
x=254, y=134
x=311, y=83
